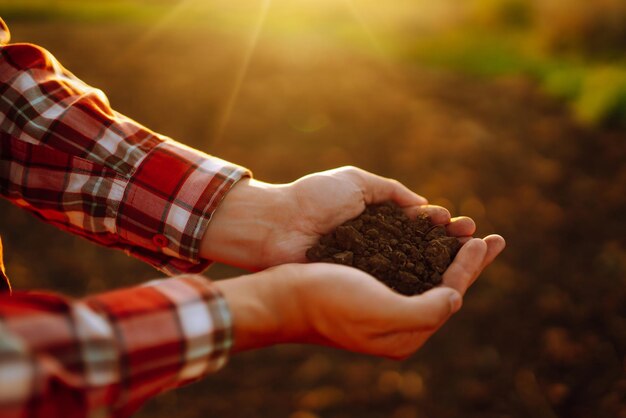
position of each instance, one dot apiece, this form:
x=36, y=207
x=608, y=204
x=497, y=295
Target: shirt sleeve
x=105, y=355
x=66, y=156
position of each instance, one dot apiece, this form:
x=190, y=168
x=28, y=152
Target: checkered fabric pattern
x=66, y=156
x=105, y=355
x=71, y=160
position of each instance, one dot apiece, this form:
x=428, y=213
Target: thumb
x=428, y=311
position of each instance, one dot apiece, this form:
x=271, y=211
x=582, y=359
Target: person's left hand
x=259, y=225
x=330, y=304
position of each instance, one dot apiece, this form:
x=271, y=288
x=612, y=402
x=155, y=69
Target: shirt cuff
x=205, y=324
x=171, y=332
x=168, y=203
x=107, y=354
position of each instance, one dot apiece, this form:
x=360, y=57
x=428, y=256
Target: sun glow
x=360, y=23
x=295, y=11
x=240, y=75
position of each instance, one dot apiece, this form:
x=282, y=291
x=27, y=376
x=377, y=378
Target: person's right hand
x=344, y=307
x=260, y=225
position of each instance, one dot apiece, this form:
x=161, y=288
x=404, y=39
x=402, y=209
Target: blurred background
x=509, y=111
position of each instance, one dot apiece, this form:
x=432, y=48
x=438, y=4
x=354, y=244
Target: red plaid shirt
x=71, y=160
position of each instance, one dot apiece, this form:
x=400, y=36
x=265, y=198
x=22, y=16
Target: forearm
x=99, y=174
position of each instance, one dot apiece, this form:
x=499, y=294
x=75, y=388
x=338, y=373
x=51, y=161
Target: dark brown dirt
x=408, y=255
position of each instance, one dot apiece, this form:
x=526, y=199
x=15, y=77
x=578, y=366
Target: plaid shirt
x=71, y=160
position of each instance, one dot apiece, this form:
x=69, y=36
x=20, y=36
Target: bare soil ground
x=543, y=333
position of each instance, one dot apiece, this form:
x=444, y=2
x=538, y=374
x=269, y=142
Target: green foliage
x=595, y=91
x=592, y=28
x=564, y=81
x=574, y=49
x=602, y=99
x=479, y=54
x=501, y=13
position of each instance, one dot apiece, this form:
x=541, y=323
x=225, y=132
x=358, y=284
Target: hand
x=344, y=307
x=259, y=225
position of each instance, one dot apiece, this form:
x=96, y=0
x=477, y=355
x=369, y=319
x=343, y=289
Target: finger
x=425, y=312
x=495, y=245
x=466, y=265
x=461, y=226
x=437, y=214
x=377, y=189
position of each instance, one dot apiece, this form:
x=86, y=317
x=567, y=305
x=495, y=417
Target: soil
x=408, y=255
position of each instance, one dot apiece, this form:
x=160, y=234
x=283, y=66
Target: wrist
x=242, y=223
x=263, y=308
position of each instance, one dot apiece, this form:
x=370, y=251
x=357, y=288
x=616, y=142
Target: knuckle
x=396, y=184
x=350, y=169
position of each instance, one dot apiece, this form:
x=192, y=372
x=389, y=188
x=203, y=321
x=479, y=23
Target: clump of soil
x=408, y=255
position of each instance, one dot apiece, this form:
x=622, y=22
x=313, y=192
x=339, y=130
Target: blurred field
x=543, y=334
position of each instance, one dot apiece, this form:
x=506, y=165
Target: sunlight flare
x=155, y=30
x=240, y=75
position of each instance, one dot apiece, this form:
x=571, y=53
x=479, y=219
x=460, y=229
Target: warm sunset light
x=508, y=112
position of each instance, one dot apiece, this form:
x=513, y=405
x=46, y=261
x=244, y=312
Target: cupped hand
x=344, y=307
x=259, y=225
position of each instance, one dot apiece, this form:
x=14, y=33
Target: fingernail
x=455, y=302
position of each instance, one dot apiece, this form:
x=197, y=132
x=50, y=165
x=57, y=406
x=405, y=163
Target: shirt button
x=160, y=240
